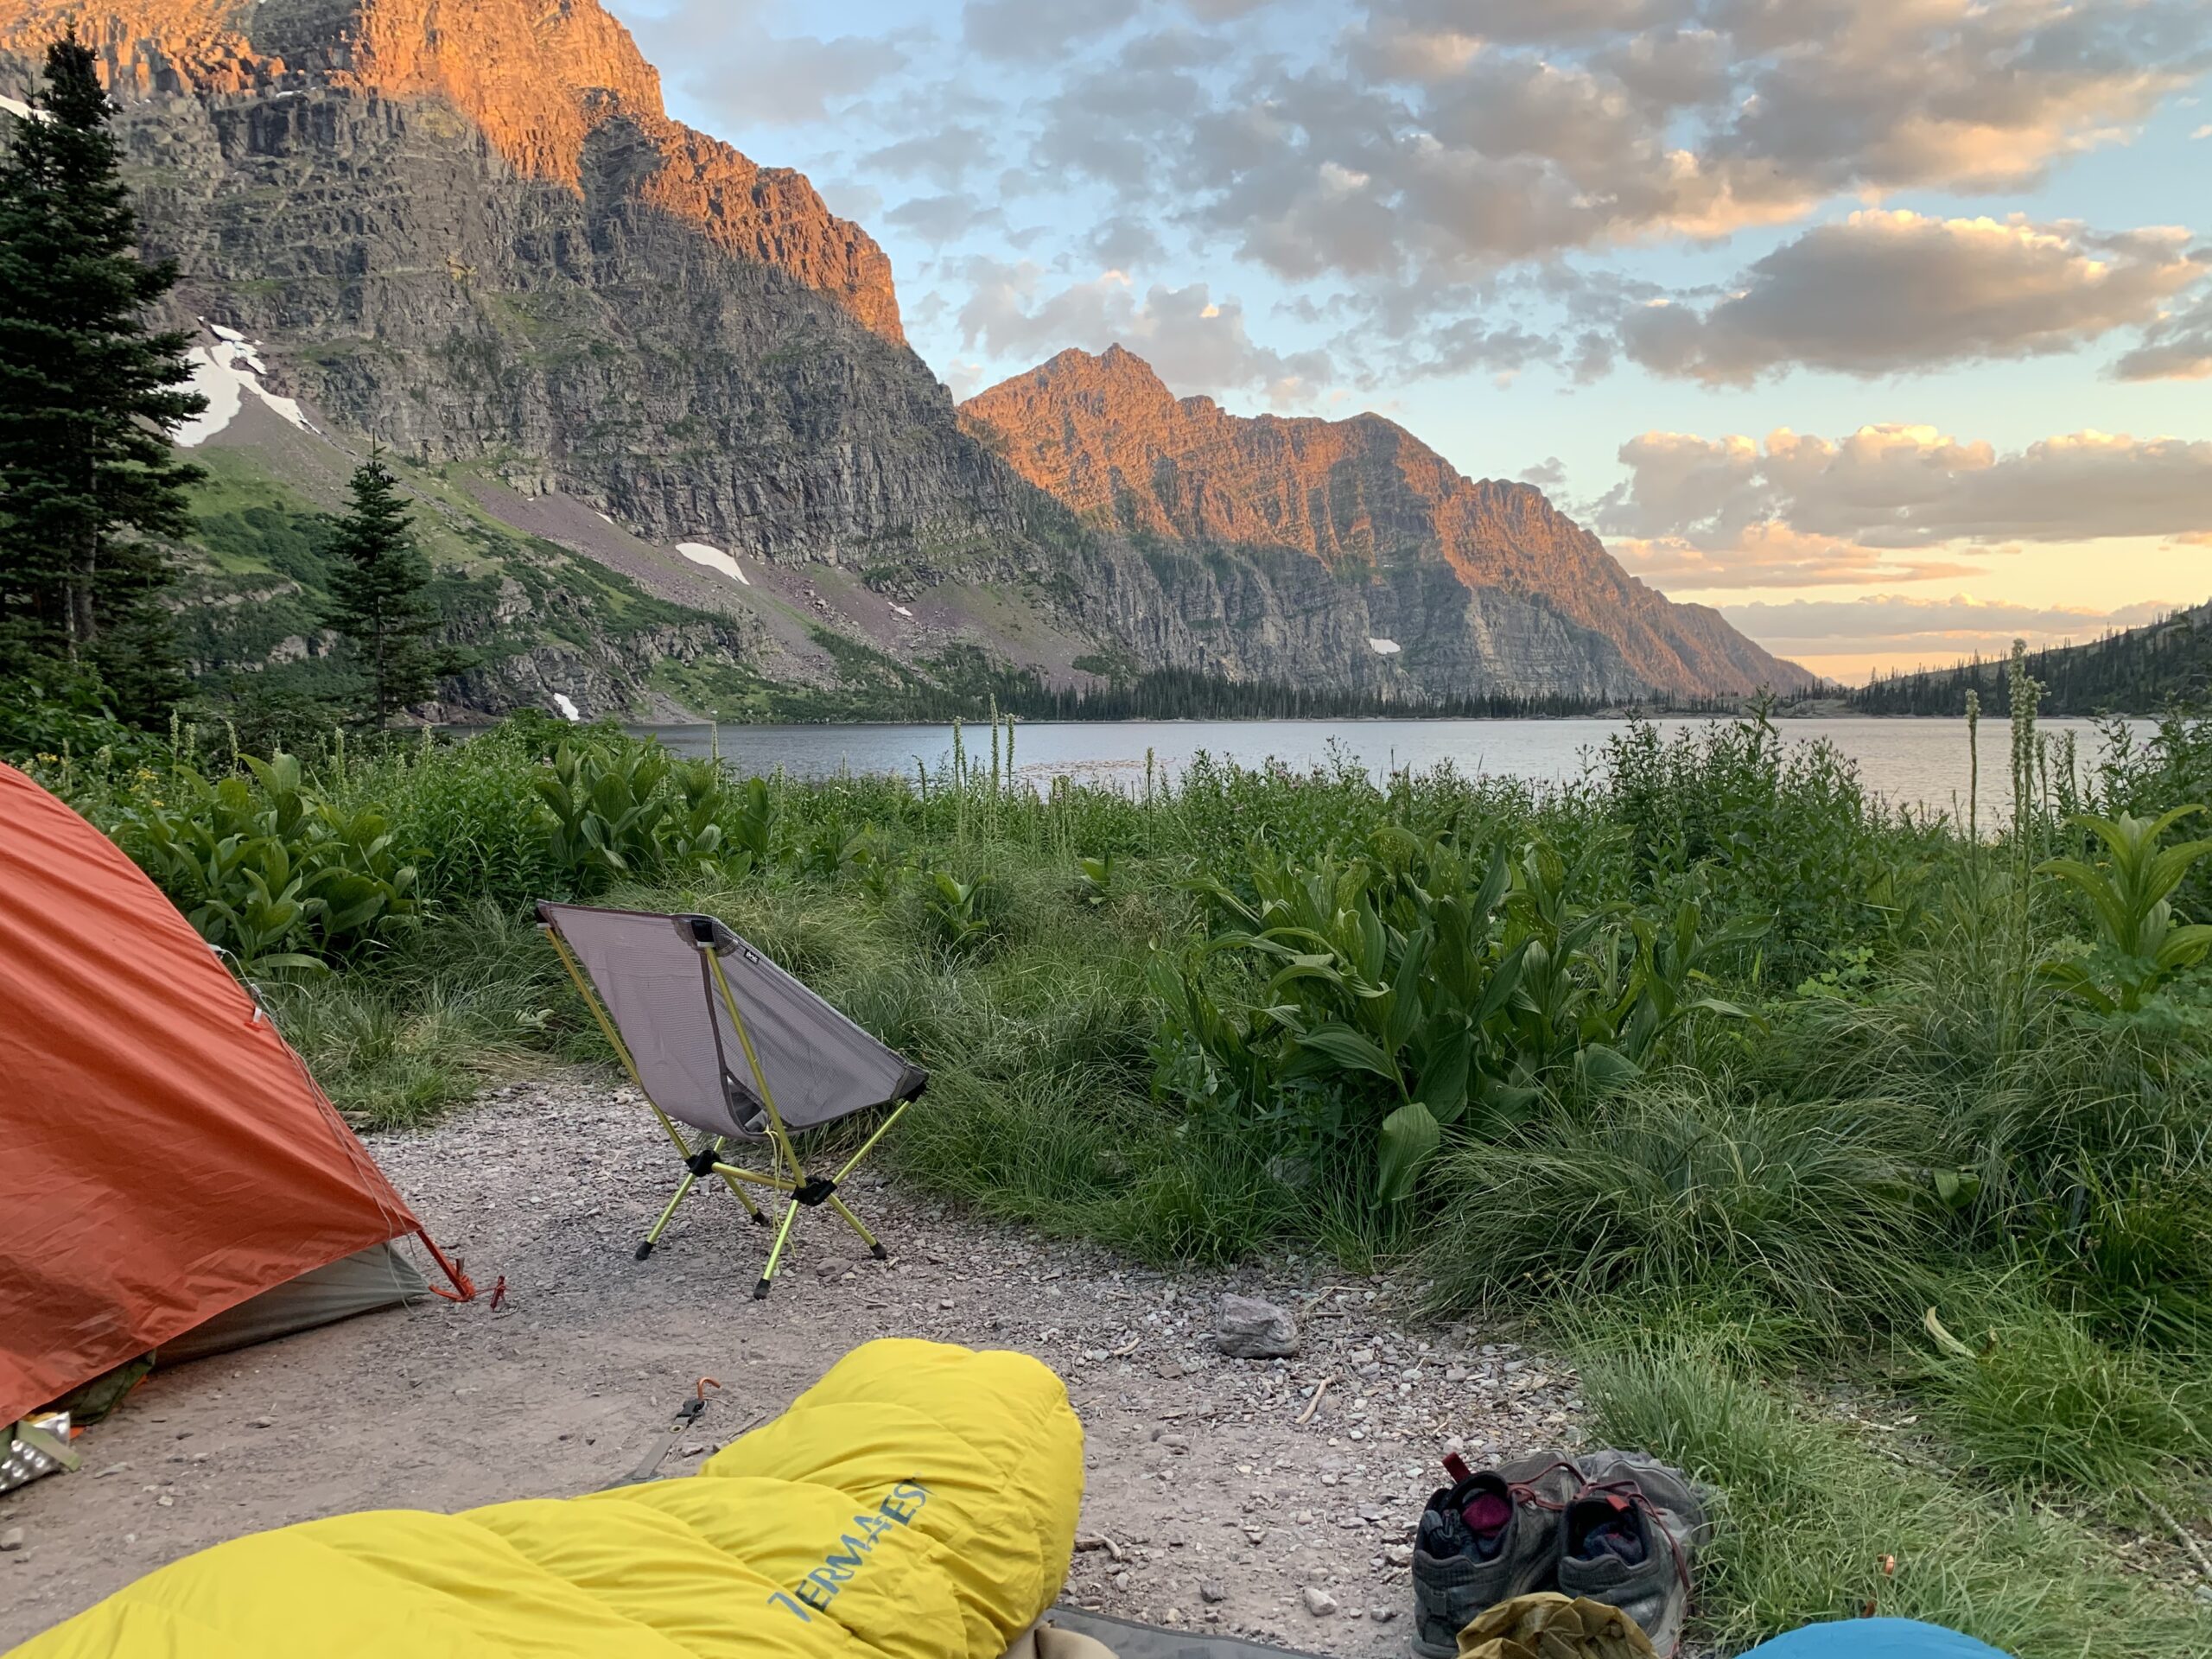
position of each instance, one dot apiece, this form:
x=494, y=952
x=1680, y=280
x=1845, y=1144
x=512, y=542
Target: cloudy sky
x=1884, y=325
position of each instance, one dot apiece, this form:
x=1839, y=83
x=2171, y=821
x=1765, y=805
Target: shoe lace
x=1623, y=1495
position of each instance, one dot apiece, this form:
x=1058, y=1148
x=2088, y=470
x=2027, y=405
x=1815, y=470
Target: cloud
x=2178, y=347
x=723, y=55
x=1951, y=93
x=1880, y=293
x=946, y=155
x=1925, y=629
x=1197, y=344
x=1122, y=244
x=1535, y=23
x=1888, y=503
x=1437, y=138
x=939, y=220
x=1038, y=31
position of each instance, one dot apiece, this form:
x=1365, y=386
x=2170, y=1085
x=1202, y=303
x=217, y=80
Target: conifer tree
x=89, y=397
x=379, y=595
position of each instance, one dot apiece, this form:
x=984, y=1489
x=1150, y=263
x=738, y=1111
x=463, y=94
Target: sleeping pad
x=918, y=1503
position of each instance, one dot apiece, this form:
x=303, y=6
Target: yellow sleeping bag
x=918, y=1503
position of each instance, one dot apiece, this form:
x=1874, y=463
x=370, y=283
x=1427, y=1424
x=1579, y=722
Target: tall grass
x=1821, y=1519
x=1807, y=1212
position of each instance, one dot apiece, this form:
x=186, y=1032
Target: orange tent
x=164, y=1156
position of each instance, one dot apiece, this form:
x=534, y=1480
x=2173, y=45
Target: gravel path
x=1218, y=1494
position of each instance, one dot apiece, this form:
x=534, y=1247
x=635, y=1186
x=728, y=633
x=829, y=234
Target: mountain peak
x=1117, y=370
x=541, y=80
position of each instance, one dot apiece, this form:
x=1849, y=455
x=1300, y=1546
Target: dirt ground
x=1214, y=1498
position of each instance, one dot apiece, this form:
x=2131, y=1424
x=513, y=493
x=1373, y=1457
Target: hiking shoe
x=1628, y=1540
x=1491, y=1537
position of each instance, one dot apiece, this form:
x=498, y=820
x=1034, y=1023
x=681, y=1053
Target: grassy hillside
x=2139, y=671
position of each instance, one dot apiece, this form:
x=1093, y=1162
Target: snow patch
x=713, y=558
x=226, y=373
x=901, y=609
x=568, y=708
x=1382, y=647
x=231, y=334
x=21, y=111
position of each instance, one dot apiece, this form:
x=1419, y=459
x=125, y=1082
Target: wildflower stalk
x=1974, y=768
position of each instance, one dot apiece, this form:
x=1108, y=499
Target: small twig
x=1323, y=1295
x=2188, y=1538
x=1314, y=1404
x=1127, y=1348
x=1102, y=1542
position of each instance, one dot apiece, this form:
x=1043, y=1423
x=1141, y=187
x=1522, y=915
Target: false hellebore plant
x=1414, y=987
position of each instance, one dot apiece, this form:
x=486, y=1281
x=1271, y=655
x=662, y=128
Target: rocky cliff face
x=1381, y=513
x=537, y=79
x=467, y=230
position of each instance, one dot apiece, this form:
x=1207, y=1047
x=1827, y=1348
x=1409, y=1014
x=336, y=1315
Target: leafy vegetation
x=1866, y=1163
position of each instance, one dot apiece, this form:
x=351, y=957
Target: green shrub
x=2033, y=1398
x=468, y=998
x=1686, y=1186
x=2139, y=946
x=270, y=869
x=1811, y=1520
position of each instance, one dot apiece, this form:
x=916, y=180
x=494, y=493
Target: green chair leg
x=875, y=1249
x=776, y=1250
x=653, y=1233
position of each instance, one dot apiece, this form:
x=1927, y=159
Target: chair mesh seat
x=719, y=1038
x=650, y=971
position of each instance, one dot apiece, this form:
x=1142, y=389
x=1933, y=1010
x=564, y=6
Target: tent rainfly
x=171, y=1179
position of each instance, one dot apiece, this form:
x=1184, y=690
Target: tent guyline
x=684, y=1003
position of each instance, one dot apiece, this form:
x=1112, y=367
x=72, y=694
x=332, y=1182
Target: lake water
x=1923, y=762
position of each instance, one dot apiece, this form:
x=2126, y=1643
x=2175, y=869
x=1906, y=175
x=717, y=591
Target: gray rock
x=12, y=1539
x=1212, y=1592
x=1245, y=1327
x=1318, y=1602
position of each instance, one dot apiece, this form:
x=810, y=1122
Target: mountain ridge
x=1104, y=435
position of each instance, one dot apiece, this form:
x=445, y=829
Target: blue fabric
x=1874, y=1638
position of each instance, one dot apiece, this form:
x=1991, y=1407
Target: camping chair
x=685, y=1002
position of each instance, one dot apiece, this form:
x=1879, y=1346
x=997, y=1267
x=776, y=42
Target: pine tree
x=89, y=397
x=379, y=595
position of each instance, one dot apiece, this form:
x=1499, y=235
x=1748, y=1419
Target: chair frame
x=786, y=1173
